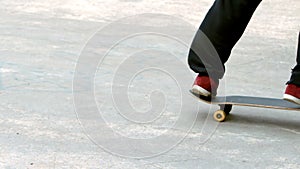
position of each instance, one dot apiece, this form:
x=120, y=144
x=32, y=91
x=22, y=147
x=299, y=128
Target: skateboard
x=226, y=103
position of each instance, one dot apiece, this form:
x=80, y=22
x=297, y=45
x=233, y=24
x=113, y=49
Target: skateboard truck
x=221, y=114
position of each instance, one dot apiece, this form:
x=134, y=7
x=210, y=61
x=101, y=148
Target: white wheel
x=220, y=116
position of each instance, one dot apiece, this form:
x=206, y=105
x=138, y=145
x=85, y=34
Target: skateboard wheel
x=220, y=116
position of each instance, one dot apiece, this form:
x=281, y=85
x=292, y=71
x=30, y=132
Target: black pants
x=223, y=25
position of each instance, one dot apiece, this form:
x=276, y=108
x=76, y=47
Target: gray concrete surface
x=42, y=44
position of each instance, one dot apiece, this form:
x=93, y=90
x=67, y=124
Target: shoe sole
x=200, y=91
x=291, y=98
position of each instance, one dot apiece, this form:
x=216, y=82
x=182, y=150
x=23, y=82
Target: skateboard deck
x=226, y=103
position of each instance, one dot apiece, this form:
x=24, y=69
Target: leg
x=292, y=91
x=295, y=77
x=223, y=25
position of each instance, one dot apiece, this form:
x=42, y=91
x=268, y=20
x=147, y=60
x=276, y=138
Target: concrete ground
x=104, y=84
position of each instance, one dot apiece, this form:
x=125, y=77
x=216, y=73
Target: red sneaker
x=205, y=86
x=292, y=93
